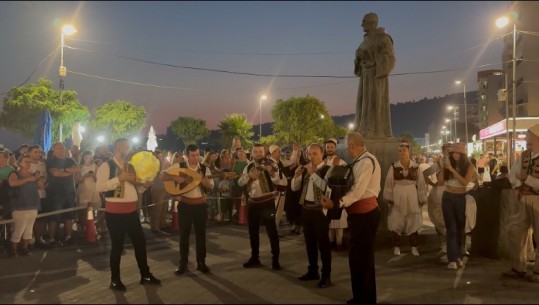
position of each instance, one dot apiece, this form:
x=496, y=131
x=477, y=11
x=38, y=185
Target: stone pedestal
x=386, y=151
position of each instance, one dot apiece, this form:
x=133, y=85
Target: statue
x=375, y=58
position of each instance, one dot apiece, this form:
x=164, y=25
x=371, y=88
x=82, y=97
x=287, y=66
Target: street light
x=100, y=139
x=500, y=23
x=262, y=98
x=322, y=116
x=351, y=126
x=458, y=82
x=67, y=29
x=455, y=109
x=449, y=121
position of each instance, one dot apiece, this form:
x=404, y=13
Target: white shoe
x=452, y=265
x=444, y=259
x=415, y=252
x=460, y=263
x=397, y=251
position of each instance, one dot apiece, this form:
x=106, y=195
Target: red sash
x=362, y=206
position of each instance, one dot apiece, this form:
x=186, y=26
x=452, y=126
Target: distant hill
x=414, y=117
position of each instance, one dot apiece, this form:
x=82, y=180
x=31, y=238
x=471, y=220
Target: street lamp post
x=62, y=71
x=454, y=108
x=500, y=23
x=452, y=136
x=262, y=98
x=465, y=111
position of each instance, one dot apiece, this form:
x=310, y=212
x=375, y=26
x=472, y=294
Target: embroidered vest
x=115, y=171
x=318, y=193
x=398, y=173
x=266, y=185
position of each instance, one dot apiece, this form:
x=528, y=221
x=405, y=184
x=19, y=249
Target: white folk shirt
x=329, y=160
x=320, y=183
x=104, y=184
x=42, y=169
x=196, y=192
x=255, y=190
x=366, y=183
x=281, y=182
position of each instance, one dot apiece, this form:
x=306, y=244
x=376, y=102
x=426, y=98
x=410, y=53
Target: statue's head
x=370, y=22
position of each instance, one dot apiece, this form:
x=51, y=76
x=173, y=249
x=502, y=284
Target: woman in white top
x=456, y=174
x=86, y=192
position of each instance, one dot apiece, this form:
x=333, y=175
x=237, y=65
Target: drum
x=146, y=165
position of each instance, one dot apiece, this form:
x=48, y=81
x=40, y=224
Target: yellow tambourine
x=146, y=166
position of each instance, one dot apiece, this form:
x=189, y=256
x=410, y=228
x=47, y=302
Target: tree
x=119, y=119
x=191, y=130
x=236, y=125
x=23, y=106
x=303, y=120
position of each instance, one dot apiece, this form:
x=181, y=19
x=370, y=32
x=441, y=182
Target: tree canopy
x=190, y=130
x=236, y=125
x=24, y=105
x=303, y=120
x=118, y=119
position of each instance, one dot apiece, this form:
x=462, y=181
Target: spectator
x=225, y=193
x=24, y=202
x=39, y=168
x=86, y=191
x=5, y=171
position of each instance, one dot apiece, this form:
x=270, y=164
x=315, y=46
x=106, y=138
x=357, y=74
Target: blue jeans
x=454, y=211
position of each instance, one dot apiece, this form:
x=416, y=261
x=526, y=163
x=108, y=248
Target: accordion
x=339, y=180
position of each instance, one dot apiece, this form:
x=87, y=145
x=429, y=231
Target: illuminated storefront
x=494, y=137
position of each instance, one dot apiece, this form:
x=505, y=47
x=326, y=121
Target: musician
x=259, y=177
x=363, y=217
x=192, y=210
x=313, y=216
x=119, y=186
x=406, y=193
x=280, y=187
x=336, y=226
x=524, y=176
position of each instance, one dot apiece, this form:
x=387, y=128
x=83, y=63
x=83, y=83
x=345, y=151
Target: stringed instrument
x=192, y=180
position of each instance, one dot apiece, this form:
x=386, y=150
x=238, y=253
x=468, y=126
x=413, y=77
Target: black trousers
x=192, y=215
x=263, y=213
x=119, y=225
x=363, y=229
x=316, y=231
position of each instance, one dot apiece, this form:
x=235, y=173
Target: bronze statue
x=375, y=58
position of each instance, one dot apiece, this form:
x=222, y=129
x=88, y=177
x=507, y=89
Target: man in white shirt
x=40, y=169
x=313, y=216
x=119, y=186
x=260, y=178
x=280, y=186
x=192, y=210
x=364, y=216
x=524, y=177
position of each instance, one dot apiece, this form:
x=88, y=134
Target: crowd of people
x=271, y=183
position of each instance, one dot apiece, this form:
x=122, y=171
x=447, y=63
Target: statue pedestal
x=386, y=151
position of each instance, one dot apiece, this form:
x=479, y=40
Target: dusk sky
x=273, y=38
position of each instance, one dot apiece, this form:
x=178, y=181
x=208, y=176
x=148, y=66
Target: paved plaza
x=80, y=274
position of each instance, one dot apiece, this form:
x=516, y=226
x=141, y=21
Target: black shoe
x=150, y=279
x=203, y=268
x=181, y=270
x=252, y=262
x=276, y=266
x=324, y=283
x=117, y=285
x=309, y=277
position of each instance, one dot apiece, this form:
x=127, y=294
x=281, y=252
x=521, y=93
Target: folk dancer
x=314, y=216
x=363, y=216
x=121, y=196
x=260, y=177
x=406, y=193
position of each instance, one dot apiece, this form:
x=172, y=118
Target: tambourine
x=146, y=166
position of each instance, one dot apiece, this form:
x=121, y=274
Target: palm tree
x=236, y=125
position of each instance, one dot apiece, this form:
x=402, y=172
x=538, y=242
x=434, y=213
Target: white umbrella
x=76, y=134
x=152, y=140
